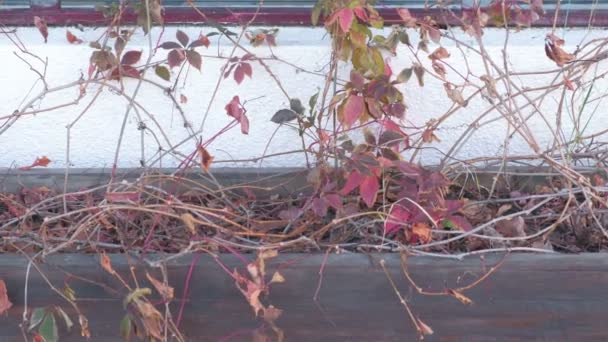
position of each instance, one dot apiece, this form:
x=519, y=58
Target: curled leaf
x=72, y=39
x=163, y=289
x=42, y=27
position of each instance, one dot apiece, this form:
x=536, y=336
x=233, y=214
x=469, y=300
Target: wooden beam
x=531, y=297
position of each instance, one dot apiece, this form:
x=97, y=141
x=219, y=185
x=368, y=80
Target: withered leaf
x=5, y=303
x=164, y=290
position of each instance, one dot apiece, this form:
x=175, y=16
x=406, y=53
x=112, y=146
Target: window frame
x=54, y=14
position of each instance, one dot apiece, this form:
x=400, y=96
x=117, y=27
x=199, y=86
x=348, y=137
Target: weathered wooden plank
x=531, y=297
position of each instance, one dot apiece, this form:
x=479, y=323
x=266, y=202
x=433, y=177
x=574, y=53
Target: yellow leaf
x=277, y=278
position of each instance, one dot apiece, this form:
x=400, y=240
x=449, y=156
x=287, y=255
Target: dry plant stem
x=421, y=291
x=402, y=300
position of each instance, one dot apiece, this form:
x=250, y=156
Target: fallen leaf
x=164, y=290
x=514, y=227
x=189, y=222
x=5, y=303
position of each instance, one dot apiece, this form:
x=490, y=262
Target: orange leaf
x=72, y=39
x=106, y=263
x=5, y=303
x=206, y=158
x=439, y=53
x=40, y=161
x=422, y=231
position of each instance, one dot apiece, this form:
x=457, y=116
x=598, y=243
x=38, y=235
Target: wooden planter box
x=531, y=297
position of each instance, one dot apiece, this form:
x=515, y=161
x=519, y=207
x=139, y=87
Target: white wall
x=93, y=139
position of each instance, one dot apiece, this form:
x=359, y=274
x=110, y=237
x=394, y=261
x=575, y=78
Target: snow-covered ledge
x=93, y=138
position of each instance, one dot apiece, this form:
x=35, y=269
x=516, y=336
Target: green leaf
x=404, y=38
x=69, y=293
x=136, y=294
x=68, y=322
x=419, y=71
x=37, y=317
x=296, y=106
x=126, y=328
x=48, y=329
x=312, y=102
x=404, y=75
x=162, y=72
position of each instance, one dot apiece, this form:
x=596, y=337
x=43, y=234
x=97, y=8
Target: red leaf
x=407, y=17
x=41, y=25
x=334, y=200
x=397, y=218
x=239, y=74
x=353, y=109
x=5, y=303
x=201, y=41
x=194, y=58
x=244, y=124
x=346, y=17
x=319, y=207
x=183, y=99
x=40, y=161
x=182, y=37
x=175, y=58
x=234, y=108
x=72, y=39
x=369, y=190
x=170, y=45
x=130, y=57
x=353, y=181
x=247, y=69
x=568, y=83
x=361, y=14
x=129, y=71
x=271, y=40
x=388, y=71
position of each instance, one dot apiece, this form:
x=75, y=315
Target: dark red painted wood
x=267, y=16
